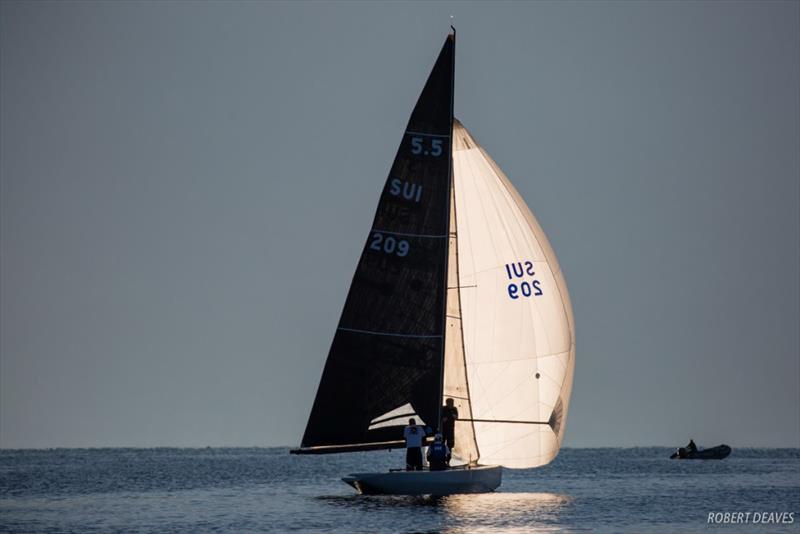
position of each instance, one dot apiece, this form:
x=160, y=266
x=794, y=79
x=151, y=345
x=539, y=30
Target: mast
x=447, y=228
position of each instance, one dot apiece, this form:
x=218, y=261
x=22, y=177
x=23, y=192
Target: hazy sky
x=186, y=187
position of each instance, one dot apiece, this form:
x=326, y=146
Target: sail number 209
x=525, y=288
x=389, y=244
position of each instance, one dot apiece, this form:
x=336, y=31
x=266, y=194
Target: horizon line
x=198, y=447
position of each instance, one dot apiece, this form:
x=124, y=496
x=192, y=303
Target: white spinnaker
x=508, y=341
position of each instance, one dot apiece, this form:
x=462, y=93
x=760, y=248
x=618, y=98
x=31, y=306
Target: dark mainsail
x=388, y=348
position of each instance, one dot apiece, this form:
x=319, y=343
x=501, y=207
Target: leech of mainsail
x=387, y=351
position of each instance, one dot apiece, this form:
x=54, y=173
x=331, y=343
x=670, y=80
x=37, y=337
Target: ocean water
x=260, y=489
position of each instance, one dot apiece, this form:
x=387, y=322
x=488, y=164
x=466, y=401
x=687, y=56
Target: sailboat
x=457, y=295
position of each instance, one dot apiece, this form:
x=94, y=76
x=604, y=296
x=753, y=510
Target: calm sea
x=255, y=490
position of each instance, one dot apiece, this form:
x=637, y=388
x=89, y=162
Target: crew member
x=414, y=435
x=438, y=454
x=449, y=416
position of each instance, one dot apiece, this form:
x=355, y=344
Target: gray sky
x=186, y=187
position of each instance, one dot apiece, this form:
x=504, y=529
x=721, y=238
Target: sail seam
x=409, y=132
x=507, y=421
x=548, y=355
x=430, y=236
x=395, y=334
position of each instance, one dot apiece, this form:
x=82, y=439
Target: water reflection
x=386, y=502
x=483, y=512
x=506, y=511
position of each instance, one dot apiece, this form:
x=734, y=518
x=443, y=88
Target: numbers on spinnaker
x=522, y=289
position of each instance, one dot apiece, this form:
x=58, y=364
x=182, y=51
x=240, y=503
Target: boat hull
x=478, y=479
x=714, y=453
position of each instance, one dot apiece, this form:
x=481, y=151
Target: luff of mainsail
x=388, y=348
x=516, y=316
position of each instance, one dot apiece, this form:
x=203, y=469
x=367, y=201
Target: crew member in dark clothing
x=449, y=416
x=415, y=436
x=438, y=454
x=691, y=447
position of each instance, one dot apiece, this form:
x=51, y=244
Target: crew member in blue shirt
x=438, y=454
